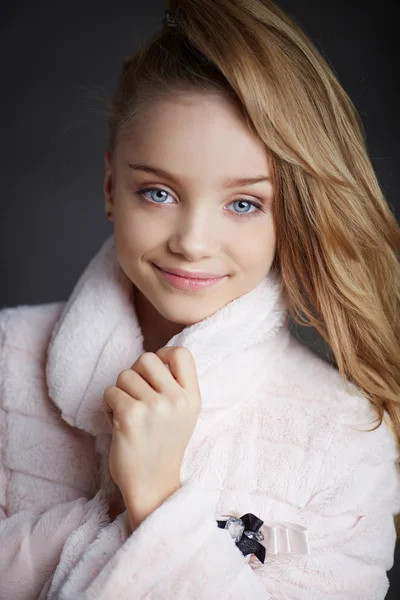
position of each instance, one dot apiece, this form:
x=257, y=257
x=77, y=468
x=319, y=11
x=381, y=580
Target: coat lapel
x=98, y=335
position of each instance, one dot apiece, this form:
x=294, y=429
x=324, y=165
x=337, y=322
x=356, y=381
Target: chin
x=180, y=315
x=180, y=318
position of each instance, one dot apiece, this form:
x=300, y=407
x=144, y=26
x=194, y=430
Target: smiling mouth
x=187, y=283
x=189, y=275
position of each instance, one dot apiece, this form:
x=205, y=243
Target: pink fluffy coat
x=277, y=436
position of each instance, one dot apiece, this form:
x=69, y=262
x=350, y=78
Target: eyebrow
x=231, y=182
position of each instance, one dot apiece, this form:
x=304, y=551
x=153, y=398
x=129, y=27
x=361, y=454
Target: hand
x=152, y=411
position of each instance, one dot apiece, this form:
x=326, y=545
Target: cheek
x=137, y=232
x=256, y=248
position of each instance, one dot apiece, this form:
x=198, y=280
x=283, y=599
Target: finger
x=135, y=385
x=181, y=364
x=155, y=372
x=113, y=398
x=120, y=407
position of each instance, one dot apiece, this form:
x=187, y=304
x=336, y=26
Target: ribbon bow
x=245, y=532
x=281, y=537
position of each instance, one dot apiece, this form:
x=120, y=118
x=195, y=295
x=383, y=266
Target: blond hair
x=337, y=238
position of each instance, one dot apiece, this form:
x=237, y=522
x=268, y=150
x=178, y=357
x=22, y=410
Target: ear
x=108, y=182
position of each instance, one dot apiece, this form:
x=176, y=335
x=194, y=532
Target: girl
x=163, y=434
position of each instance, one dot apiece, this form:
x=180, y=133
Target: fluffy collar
x=98, y=335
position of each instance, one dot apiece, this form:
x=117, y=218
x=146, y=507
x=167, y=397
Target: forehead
x=194, y=135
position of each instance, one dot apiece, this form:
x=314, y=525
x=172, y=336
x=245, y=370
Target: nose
x=195, y=236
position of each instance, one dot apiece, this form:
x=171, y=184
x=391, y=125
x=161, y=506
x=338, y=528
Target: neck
x=156, y=330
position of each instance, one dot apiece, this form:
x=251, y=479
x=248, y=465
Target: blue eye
x=144, y=191
x=259, y=208
x=249, y=203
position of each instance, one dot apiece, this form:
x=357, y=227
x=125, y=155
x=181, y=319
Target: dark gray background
x=61, y=60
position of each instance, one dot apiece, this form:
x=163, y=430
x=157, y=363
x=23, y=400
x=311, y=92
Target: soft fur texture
x=276, y=436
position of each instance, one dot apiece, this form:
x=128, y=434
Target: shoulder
x=27, y=315
x=25, y=332
x=340, y=409
x=307, y=376
x=24, y=327
x=328, y=411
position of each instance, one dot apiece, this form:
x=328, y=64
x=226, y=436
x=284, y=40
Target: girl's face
x=191, y=215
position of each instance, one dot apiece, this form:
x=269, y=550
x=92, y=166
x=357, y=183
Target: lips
x=188, y=274
x=188, y=284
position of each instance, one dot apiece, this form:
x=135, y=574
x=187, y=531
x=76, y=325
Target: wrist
x=140, y=506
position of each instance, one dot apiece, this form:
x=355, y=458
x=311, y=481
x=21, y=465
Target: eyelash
x=255, y=213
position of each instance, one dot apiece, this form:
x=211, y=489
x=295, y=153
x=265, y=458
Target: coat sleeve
x=31, y=543
x=31, y=540
x=178, y=552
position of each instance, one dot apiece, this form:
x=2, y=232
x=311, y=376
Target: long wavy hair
x=338, y=240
